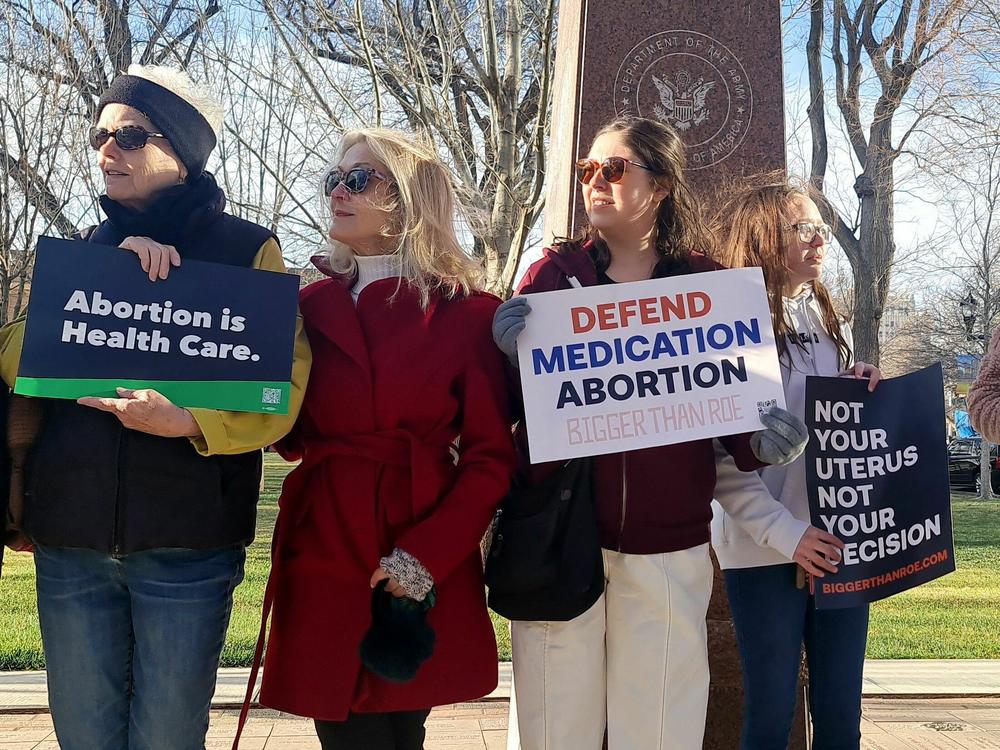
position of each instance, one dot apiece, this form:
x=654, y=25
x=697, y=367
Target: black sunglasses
x=128, y=137
x=612, y=169
x=355, y=180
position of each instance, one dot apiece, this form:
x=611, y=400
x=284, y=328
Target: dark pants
x=773, y=618
x=399, y=730
x=132, y=643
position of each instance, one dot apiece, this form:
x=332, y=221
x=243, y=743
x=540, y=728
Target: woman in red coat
x=406, y=452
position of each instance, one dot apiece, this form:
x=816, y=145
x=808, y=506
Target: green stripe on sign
x=227, y=395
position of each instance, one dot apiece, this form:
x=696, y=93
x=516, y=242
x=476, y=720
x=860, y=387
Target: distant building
x=898, y=310
x=307, y=274
x=17, y=300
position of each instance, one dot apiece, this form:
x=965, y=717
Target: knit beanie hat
x=171, y=109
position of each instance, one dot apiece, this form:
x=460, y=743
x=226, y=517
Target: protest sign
x=625, y=366
x=877, y=476
x=210, y=335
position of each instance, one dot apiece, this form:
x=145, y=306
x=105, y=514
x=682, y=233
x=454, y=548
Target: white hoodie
x=733, y=543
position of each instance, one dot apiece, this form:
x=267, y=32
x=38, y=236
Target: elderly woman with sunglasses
x=636, y=662
x=139, y=510
x=404, y=438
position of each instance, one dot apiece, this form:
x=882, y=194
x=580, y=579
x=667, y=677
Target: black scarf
x=177, y=213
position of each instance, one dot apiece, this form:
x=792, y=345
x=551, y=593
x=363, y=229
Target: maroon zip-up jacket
x=651, y=500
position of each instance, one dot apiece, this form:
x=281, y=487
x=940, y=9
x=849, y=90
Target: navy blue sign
x=210, y=335
x=877, y=473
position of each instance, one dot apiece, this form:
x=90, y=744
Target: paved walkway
x=964, y=716
x=932, y=677
x=25, y=691
x=889, y=724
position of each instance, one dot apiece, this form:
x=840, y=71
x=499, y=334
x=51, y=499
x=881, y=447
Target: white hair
x=179, y=82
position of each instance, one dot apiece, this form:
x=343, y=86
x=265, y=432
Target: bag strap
x=258, y=654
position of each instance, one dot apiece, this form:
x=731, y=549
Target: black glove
x=399, y=639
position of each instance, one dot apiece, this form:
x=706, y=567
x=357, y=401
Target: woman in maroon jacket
x=403, y=364
x=638, y=658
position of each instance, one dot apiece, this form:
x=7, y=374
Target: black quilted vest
x=96, y=485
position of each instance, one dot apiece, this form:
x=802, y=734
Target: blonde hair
x=421, y=201
x=179, y=83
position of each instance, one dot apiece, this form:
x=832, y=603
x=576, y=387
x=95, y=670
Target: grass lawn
x=20, y=640
x=956, y=617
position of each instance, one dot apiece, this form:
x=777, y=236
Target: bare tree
x=37, y=171
x=476, y=77
x=963, y=274
x=277, y=136
x=56, y=58
x=919, y=54
x=79, y=47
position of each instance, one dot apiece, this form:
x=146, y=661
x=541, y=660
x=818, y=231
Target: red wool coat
x=391, y=389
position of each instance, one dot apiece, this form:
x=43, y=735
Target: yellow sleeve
x=11, y=339
x=225, y=432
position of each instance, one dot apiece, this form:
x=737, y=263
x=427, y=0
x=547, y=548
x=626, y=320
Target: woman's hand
x=147, y=411
x=392, y=586
x=18, y=542
x=865, y=371
x=508, y=322
x=818, y=551
x=155, y=259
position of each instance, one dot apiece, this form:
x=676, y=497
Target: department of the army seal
x=694, y=83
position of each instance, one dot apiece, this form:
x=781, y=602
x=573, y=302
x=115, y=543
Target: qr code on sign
x=765, y=406
x=271, y=396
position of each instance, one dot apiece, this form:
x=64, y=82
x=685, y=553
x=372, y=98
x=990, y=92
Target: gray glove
x=784, y=439
x=508, y=322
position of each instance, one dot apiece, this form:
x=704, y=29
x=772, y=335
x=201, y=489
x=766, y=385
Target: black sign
x=877, y=472
x=210, y=335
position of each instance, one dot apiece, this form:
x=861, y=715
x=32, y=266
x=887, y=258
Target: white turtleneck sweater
x=372, y=268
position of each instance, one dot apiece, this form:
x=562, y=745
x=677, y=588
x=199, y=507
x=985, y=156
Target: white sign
x=619, y=367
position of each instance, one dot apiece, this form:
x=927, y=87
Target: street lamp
x=968, y=308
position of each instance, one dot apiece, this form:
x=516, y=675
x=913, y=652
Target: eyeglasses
x=612, y=168
x=355, y=180
x=127, y=137
x=807, y=231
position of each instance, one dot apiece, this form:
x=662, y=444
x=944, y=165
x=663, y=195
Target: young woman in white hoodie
x=779, y=228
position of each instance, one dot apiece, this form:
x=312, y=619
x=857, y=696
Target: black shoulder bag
x=545, y=560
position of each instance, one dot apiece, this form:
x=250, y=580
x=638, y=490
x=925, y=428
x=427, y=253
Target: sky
x=916, y=218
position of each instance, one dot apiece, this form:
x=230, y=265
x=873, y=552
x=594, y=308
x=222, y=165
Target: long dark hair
x=680, y=227
x=750, y=223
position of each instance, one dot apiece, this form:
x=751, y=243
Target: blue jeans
x=772, y=620
x=132, y=643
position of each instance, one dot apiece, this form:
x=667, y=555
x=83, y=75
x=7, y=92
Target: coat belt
x=397, y=448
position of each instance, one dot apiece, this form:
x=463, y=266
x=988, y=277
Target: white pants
x=637, y=661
